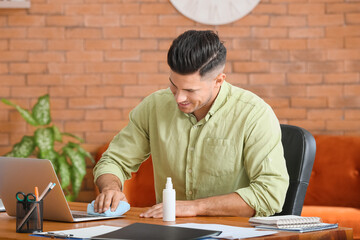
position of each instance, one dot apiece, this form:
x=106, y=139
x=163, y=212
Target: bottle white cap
x=169, y=184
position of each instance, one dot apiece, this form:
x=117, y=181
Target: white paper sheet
x=83, y=232
x=228, y=232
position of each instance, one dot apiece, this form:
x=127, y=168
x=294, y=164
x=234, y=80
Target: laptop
x=2, y=208
x=23, y=174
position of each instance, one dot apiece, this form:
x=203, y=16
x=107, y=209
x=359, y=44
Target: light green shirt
x=235, y=148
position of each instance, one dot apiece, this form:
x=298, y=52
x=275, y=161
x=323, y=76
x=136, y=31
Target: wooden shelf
x=14, y=4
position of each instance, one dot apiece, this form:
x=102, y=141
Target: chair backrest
x=299, y=152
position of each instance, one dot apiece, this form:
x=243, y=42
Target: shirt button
x=190, y=192
x=189, y=170
x=191, y=149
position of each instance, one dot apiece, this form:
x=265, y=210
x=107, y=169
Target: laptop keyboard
x=84, y=215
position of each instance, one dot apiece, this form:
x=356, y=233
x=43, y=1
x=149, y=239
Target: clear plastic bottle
x=169, y=202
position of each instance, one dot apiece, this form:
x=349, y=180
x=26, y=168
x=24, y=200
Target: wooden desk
x=7, y=225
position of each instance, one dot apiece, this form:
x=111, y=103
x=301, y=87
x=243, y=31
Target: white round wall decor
x=214, y=12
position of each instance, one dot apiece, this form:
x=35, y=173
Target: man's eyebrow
x=190, y=89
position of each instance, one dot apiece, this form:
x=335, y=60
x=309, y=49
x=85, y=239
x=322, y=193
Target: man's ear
x=220, y=79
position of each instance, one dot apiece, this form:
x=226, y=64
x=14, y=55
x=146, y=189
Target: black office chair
x=299, y=152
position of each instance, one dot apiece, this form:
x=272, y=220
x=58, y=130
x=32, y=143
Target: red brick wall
x=98, y=58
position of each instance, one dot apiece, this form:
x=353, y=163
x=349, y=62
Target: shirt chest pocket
x=218, y=157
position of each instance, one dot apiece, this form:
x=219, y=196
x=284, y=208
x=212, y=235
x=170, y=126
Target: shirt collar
x=219, y=100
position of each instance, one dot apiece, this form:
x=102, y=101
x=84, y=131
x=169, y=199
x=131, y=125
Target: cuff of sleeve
x=250, y=198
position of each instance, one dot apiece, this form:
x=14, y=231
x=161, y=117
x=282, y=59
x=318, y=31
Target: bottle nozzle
x=169, y=184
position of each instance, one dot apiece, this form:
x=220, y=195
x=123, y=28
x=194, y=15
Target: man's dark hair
x=195, y=51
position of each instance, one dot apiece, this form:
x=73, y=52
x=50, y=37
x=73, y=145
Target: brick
x=65, y=44
x=326, y=20
x=153, y=56
x=325, y=43
x=140, y=67
x=253, y=20
x=287, y=21
x=269, y=55
x=157, y=8
x=4, y=45
x=267, y=79
x=344, y=102
x=352, y=114
x=88, y=126
x=12, y=127
x=113, y=125
x=23, y=102
x=103, y=67
x=164, y=67
x=122, y=9
x=324, y=90
x=290, y=44
x=344, y=31
x=273, y=32
x=242, y=54
x=121, y=102
x=82, y=79
x=100, y=44
x=99, y=137
x=44, y=80
x=62, y=68
x=24, y=92
x=352, y=66
x=139, y=44
x=47, y=56
x=46, y=33
x=306, y=9
x=100, y=114
x=84, y=9
x=66, y=21
x=12, y=80
x=309, y=102
x=307, y=32
x=84, y=33
x=121, y=32
x=27, y=68
x=325, y=114
x=233, y=32
x=4, y=68
x=277, y=102
x=342, y=125
x=120, y=79
x=67, y=114
x=352, y=90
x=344, y=54
x=309, y=125
x=251, y=67
x=102, y=21
x=290, y=113
x=27, y=44
x=46, y=8
x=332, y=66
x=86, y=103
x=237, y=78
x=103, y=91
x=139, y=91
x=266, y=8
x=352, y=42
x=304, y=79
x=352, y=18
x=342, y=78
x=5, y=91
x=12, y=33
x=84, y=56
x=153, y=79
x=133, y=19
x=297, y=67
x=342, y=7
x=13, y=56
x=4, y=139
x=173, y=20
x=122, y=55
x=26, y=21
x=288, y=91
x=308, y=55
x=157, y=32
x=67, y=91
x=56, y=103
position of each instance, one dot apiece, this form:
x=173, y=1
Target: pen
x=37, y=193
x=42, y=196
x=37, y=208
x=57, y=235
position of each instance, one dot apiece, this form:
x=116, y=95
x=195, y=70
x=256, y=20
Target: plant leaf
x=74, y=136
x=76, y=180
x=44, y=139
x=64, y=171
x=57, y=133
x=24, y=148
x=52, y=156
x=77, y=159
x=24, y=113
x=41, y=110
x=81, y=150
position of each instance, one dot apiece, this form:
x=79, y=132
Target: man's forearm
x=108, y=181
x=225, y=205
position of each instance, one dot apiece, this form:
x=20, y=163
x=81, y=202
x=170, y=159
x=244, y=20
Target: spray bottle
x=169, y=201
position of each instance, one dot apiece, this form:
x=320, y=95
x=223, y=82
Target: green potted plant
x=67, y=158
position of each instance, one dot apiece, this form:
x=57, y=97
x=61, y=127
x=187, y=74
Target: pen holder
x=29, y=216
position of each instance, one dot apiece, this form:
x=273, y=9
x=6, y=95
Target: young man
x=220, y=144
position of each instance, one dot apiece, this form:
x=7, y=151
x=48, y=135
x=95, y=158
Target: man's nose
x=180, y=96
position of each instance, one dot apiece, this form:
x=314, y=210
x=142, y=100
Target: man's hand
x=110, y=188
x=183, y=209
